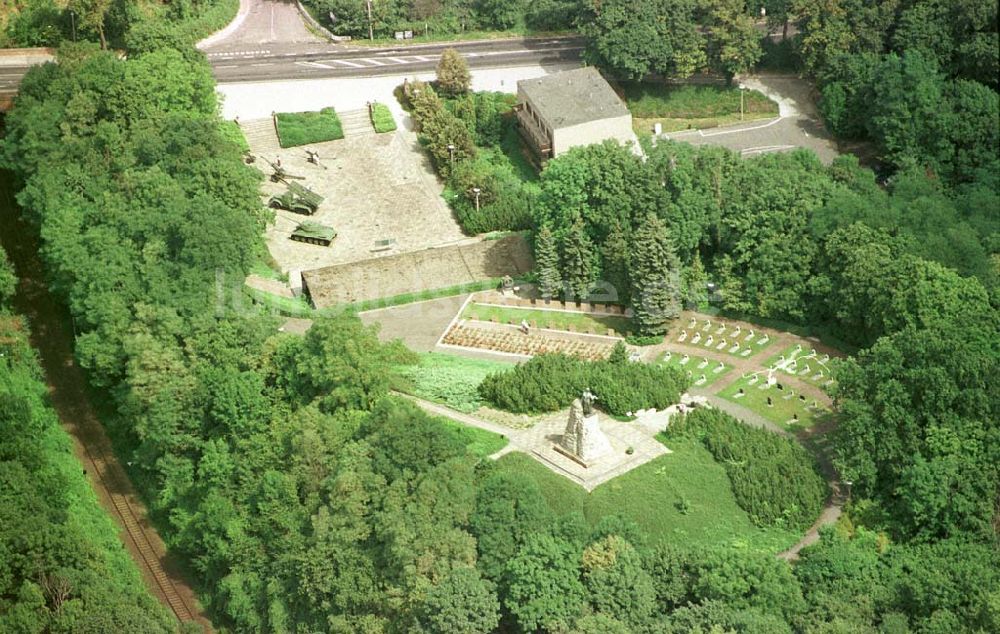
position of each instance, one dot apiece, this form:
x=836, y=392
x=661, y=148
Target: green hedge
x=774, y=478
x=549, y=382
x=301, y=128
x=382, y=118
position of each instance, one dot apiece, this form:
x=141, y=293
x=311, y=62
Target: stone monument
x=583, y=440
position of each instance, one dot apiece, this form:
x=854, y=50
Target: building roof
x=573, y=97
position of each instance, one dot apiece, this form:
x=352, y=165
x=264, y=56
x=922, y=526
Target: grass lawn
x=382, y=119
x=692, y=366
x=651, y=496
x=300, y=128
x=554, y=319
x=692, y=106
x=808, y=368
x=448, y=379
x=479, y=442
x=783, y=407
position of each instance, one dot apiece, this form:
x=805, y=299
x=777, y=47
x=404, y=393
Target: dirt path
x=51, y=337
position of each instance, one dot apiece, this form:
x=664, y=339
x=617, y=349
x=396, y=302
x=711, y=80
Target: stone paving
x=376, y=187
x=539, y=440
x=509, y=339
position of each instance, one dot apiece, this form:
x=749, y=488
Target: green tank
x=314, y=233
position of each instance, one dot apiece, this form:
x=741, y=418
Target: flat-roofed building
x=571, y=108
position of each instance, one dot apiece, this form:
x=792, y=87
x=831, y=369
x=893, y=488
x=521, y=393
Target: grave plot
x=702, y=371
x=510, y=340
x=722, y=337
x=764, y=393
x=806, y=364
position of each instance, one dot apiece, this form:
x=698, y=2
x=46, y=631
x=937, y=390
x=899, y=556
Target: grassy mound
x=301, y=128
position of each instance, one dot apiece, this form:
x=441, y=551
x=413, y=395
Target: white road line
x=374, y=61
x=264, y=64
x=424, y=58
x=347, y=63
x=228, y=66
x=398, y=60
x=315, y=64
x=756, y=127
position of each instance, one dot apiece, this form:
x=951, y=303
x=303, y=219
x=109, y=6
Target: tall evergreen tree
x=615, y=254
x=578, y=264
x=453, y=73
x=694, y=279
x=547, y=262
x=655, y=273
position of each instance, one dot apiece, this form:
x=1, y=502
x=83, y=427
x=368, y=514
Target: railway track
x=51, y=336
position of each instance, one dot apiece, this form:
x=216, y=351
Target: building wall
x=537, y=129
x=618, y=128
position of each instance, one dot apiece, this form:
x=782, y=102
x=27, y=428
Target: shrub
x=551, y=381
x=775, y=480
x=301, y=128
x=382, y=118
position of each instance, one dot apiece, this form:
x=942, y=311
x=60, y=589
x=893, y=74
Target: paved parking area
x=798, y=123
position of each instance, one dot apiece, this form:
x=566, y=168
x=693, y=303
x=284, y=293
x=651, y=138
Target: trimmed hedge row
x=774, y=478
x=549, y=382
x=382, y=119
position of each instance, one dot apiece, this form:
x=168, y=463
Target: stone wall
x=418, y=270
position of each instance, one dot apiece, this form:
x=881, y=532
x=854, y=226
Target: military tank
x=314, y=233
x=297, y=199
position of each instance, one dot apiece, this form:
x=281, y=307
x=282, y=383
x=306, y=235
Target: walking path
x=51, y=337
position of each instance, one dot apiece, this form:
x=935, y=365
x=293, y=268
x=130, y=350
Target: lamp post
x=476, y=191
x=451, y=155
x=371, y=32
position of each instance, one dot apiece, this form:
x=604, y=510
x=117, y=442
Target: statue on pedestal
x=583, y=439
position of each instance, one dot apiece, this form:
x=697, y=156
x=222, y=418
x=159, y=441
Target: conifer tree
x=547, y=263
x=694, y=280
x=453, y=73
x=655, y=274
x=578, y=265
x=615, y=252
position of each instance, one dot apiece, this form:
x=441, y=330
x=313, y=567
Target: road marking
x=264, y=64
x=766, y=148
x=374, y=61
x=424, y=58
x=398, y=60
x=315, y=64
x=347, y=63
x=228, y=66
x=756, y=127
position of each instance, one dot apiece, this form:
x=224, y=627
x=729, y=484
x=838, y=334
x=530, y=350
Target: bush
x=551, y=381
x=382, y=118
x=775, y=480
x=301, y=128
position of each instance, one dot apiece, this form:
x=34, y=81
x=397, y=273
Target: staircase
x=356, y=123
x=261, y=136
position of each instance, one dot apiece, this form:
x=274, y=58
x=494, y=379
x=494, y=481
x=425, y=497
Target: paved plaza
x=376, y=188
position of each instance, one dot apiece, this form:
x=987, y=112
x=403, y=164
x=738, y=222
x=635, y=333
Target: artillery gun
x=279, y=174
x=314, y=233
x=297, y=199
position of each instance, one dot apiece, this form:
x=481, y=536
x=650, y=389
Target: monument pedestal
x=583, y=441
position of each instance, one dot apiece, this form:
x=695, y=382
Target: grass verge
x=553, y=319
x=683, y=498
x=382, y=119
x=301, y=128
x=299, y=307
x=681, y=107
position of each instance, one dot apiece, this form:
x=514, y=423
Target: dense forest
x=306, y=498
x=62, y=568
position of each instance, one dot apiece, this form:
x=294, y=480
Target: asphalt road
x=354, y=61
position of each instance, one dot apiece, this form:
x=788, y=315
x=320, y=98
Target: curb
x=229, y=29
